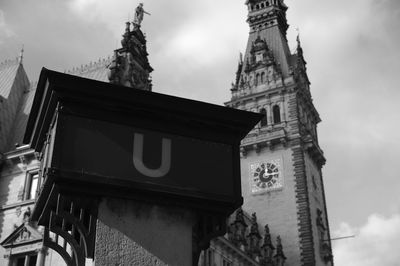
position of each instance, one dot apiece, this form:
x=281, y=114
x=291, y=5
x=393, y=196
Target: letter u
x=138, y=157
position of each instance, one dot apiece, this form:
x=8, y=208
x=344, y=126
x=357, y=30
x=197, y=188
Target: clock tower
x=281, y=160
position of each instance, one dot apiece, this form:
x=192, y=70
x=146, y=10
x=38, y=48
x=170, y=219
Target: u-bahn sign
x=107, y=140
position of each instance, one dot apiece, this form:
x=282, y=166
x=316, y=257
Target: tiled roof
x=94, y=70
x=23, y=113
x=8, y=70
x=14, y=84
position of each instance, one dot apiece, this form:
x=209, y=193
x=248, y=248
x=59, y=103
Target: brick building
x=281, y=160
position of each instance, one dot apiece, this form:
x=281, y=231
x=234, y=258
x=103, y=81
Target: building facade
x=281, y=158
x=283, y=220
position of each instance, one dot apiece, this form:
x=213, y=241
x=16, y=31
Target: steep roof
x=94, y=70
x=8, y=71
x=23, y=113
x=14, y=84
x=12, y=72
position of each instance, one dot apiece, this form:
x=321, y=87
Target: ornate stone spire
x=301, y=64
x=254, y=238
x=238, y=73
x=267, y=21
x=130, y=66
x=21, y=55
x=238, y=229
x=279, y=257
x=267, y=249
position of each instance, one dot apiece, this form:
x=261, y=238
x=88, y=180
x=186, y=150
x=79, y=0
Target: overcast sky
x=352, y=50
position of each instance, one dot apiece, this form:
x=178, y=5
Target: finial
x=258, y=32
x=298, y=36
x=21, y=55
x=127, y=27
x=240, y=58
x=280, y=256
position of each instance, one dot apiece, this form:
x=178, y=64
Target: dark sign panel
x=142, y=156
x=111, y=141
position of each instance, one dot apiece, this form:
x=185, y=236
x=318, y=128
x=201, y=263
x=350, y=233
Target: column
x=282, y=109
x=41, y=256
x=269, y=114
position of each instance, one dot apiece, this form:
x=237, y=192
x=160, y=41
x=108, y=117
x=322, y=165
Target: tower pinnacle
x=281, y=159
x=21, y=55
x=130, y=66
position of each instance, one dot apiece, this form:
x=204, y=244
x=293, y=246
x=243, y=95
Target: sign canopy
x=102, y=139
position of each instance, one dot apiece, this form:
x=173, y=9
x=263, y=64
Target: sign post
x=133, y=165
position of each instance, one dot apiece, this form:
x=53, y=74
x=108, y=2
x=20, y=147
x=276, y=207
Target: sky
x=351, y=48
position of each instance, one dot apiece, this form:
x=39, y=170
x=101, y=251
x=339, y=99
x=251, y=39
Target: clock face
x=266, y=176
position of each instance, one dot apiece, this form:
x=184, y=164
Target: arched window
x=262, y=77
x=267, y=3
x=276, y=111
x=264, y=120
x=257, y=81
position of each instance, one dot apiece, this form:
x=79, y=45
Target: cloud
x=5, y=30
x=376, y=243
x=353, y=62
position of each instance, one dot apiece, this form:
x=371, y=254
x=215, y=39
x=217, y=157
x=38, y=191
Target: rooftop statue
x=139, y=13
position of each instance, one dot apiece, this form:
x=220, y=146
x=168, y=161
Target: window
x=31, y=185
x=264, y=120
x=262, y=77
x=24, y=260
x=257, y=79
x=276, y=111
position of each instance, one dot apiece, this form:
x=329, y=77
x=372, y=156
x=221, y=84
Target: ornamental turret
x=130, y=66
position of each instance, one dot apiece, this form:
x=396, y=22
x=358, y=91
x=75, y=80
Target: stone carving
x=130, y=66
x=264, y=254
x=238, y=230
x=254, y=238
x=139, y=13
x=24, y=235
x=325, y=249
x=27, y=215
x=279, y=257
x=267, y=249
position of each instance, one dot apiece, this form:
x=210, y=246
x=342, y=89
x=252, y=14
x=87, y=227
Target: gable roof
x=22, y=235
